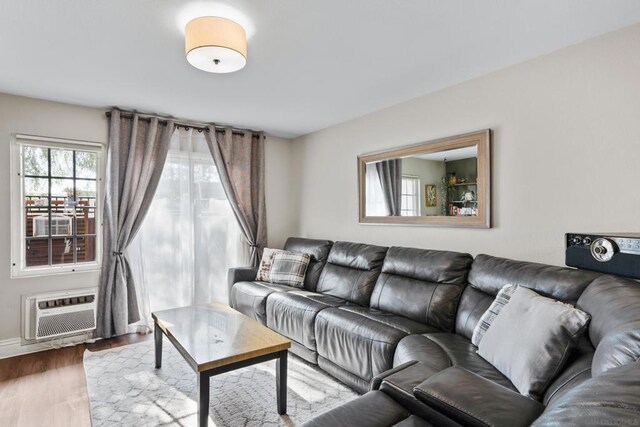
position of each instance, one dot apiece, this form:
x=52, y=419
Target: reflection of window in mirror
x=410, y=196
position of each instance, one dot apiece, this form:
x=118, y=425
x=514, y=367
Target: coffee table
x=215, y=339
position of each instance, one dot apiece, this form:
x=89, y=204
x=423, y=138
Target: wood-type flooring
x=49, y=388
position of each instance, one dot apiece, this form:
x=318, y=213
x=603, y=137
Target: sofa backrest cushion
x=614, y=305
x=423, y=285
x=489, y=274
x=351, y=271
x=318, y=250
x=473, y=304
x=576, y=371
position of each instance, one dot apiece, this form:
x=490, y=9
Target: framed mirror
x=446, y=182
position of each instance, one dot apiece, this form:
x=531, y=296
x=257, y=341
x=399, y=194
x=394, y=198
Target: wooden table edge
x=285, y=345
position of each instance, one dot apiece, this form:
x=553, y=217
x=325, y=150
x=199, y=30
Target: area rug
x=126, y=390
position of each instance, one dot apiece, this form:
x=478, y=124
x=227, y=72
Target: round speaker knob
x=602, y=250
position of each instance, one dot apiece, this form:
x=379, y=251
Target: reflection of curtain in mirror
x=376, y=205
x=390, y=174
x=190, y=237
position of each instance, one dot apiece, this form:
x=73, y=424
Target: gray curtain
x=390, y=174
x=135, y=158
x=239, y=158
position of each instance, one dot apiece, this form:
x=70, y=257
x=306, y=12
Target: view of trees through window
x=60, y=190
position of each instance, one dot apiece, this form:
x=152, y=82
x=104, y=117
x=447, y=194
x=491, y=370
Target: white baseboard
x=14, y=346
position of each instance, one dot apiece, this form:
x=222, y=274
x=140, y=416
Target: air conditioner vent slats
x=57, y=324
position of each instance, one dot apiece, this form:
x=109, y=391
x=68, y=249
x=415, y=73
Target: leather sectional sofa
x=395, y=324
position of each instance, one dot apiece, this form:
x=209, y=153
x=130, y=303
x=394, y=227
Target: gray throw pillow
x=492, y=312
x=530, y=339
x=289, y=268
x=264, y=270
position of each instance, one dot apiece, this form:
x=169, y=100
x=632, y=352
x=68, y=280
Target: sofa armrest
x=377, y=380
x=471, y=400
x=240, y=274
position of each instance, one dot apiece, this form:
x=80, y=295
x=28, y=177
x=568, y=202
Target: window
x=55, y=205
x=410, y=196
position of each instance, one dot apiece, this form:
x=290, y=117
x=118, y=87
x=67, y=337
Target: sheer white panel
x=190, y=237
x=376, y=205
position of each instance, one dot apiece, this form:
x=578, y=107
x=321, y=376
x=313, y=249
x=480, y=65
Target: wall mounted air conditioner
x=58, y=314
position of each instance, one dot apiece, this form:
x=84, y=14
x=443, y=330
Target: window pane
x=35, y=161
x=85, y=220
x=61, y=190
x=37, y=252
x=36, y=188
x=62, y=250
x=61, y=163
x=85, y=189
x=33, y=225
x=86, y=249
x=86, y=164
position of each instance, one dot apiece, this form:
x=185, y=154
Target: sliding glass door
x=190, y=237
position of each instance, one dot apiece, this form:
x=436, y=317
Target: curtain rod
x=200, y=127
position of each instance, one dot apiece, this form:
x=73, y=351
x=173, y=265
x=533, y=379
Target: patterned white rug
x=126, y=390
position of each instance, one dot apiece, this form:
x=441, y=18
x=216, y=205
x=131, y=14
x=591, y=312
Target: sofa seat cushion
x=441, y=350
x=612, y=398
x=406, y=325
x=374, y=409
x=250, y=298
x=293, y=314
x=327, y=300
x=472, y=400
x=357, y=343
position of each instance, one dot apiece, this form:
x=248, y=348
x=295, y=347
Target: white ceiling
x=451, y=155
x=311, y=63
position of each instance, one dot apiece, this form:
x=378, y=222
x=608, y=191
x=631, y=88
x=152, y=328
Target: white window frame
x=415, y=209
x=18, y=234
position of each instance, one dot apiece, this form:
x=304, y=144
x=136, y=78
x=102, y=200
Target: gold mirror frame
x=480, y=139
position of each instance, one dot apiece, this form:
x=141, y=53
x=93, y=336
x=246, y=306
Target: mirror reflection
x=442, y=183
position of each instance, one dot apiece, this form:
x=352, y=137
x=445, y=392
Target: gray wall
x=566, y=134
x=38, y=117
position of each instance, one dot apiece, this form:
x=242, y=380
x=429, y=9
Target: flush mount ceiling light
x=215, y=44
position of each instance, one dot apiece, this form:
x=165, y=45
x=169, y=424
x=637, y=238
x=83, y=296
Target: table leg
x=281, y=382
x=203, y=399
x=157, y=336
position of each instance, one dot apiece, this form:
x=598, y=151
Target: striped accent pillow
x=289, y=268
x=265, y=264
x=502, y=299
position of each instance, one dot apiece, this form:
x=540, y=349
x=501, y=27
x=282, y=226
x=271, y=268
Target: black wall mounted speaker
x=613, y=253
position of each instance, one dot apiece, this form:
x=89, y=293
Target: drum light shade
x=215, y=44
